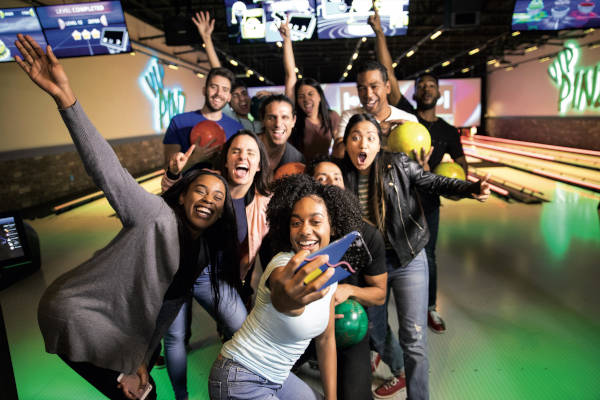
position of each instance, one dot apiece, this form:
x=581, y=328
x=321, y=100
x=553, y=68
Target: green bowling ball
x=352, y=328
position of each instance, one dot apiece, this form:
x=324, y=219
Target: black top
x=291, y=154
x=405, y=105
x=374, y=241
x=444, y=139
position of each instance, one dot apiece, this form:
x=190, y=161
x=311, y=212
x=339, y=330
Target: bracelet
x=172, y=176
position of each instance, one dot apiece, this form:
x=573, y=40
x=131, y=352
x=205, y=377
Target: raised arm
x=130, y=200
x=384, y=57
x=289, y=63
x=205, y=27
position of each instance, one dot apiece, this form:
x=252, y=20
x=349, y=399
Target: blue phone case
x=335, y=251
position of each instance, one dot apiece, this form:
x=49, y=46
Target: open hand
x=423, y=158
x=204, y=24
x=484, y=192
x=206, y=152
x=44, y=70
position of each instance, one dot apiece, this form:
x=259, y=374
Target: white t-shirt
x=269, y=342
x=395, y=114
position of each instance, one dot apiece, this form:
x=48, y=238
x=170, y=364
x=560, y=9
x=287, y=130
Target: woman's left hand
x=484, y=192
x=133, y=385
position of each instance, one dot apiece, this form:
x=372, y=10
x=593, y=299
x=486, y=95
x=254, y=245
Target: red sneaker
x=389, y=388
x=435, y=322
x=375, y=360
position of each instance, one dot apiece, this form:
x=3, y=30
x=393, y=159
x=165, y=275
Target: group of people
x=221, y=212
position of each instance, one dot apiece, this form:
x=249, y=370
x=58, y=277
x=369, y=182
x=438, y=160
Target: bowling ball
x=292, y=168
x=409, y=136
x=205, y=131
x=352, y=328
x=450, y=170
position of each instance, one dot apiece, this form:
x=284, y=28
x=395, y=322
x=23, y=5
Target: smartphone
x=147, y=388
x=348, y=255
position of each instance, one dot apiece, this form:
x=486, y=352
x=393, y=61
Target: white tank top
x=269, y=342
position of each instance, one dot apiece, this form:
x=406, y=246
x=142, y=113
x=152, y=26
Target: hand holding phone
x=132, y=388
x=347, y=255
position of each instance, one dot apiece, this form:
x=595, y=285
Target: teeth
x=203, y=210
x=308, y=243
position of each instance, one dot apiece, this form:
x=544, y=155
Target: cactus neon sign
x=578, y=87
x=167, y=102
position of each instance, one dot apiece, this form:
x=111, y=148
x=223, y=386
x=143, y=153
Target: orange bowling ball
x=205, y=131
x=409, y=136
x=450, y=170
x=292, y=168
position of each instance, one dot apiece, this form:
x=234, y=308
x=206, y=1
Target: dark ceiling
x=326, y=60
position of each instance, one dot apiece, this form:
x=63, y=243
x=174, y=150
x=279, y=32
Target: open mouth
x=310, y=245
x=362, y=157
x=203, y=212
x=240, y=171
x=371, y=104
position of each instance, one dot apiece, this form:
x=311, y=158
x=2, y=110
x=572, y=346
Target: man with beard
x=373, y=89
x=444, y=139
x=217, y=93
x=239, y=106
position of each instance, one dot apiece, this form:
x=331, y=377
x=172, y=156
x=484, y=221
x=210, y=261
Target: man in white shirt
x=373, y=89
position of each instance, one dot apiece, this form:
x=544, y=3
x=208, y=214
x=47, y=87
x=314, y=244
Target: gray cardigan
x=109, y=311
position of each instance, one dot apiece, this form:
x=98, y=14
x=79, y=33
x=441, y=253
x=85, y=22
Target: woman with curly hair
x=304, y=217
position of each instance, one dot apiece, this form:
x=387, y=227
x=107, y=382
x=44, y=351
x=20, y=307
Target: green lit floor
x=518, y=288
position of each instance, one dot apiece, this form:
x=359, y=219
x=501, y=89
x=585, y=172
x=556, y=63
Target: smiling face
x=308, y=99
x=279, y=120
x=427, y=93
x=327, y=173
x=240, y=101
x=362, y=145
x=217, y=92
x=243, y=161
x=373, y=92
x=203, y=202
x=309, y=225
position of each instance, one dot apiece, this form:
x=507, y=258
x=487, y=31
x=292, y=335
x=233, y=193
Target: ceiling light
x=509, y=68
x=278, y=44
x=354, y=56
x=364, y=39
x=233, y=62
x=299, y=76
x=446, y=63
x=132, y=53
x=410, y=53
x=394, y=65
x=345, y=74
x=465, y=70
x=249, y=72
x=588, y=30
x=427, y=71
x=492, y=61
x=200, y=75
x=349, y=67
x=204, y=45
x=173, y=66
x=435, y=35
x=474, y=51
x=594, y=45
x=296, y=70
x=544, y=59
x=260, y=78
x=530, y=49
x=516, y=33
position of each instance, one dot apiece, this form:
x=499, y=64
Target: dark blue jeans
x=433, y=223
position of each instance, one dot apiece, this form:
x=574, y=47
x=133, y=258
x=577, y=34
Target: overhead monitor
x=555, y=15
x=338, y=19
x=85, y=29
x=18, y=20
x=256, y=21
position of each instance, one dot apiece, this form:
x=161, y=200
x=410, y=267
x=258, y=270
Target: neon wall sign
x=167, y=102
x=578, y=87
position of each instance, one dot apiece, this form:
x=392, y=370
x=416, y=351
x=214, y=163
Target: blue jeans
x=409, y=286
x=230, y=380
x=230, y=316
x=383, y=340
x=433, y=223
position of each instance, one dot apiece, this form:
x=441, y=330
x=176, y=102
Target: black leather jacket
x=405, y=225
